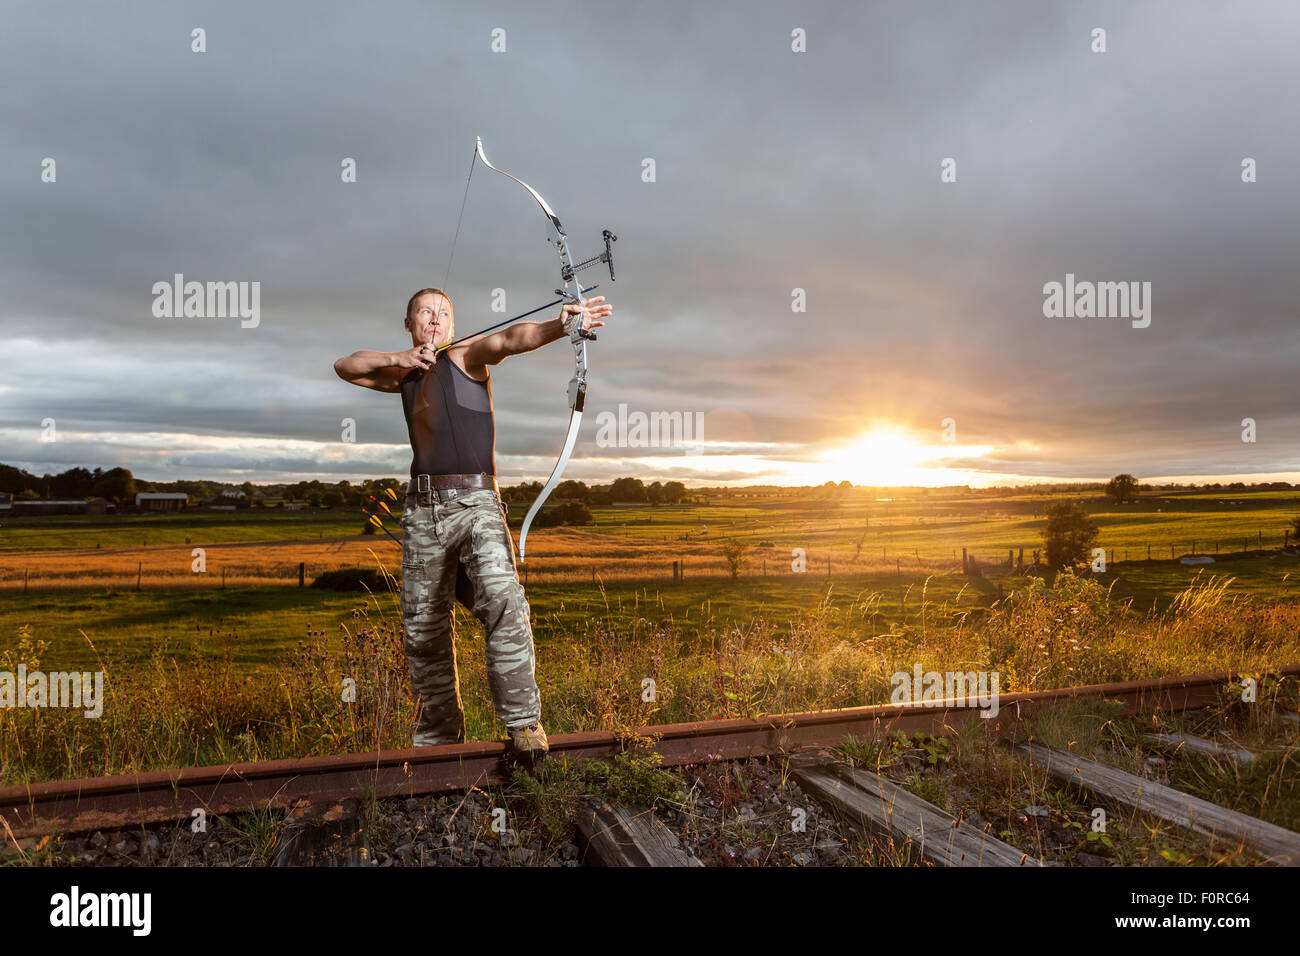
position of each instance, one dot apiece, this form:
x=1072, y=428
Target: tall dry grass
x=182, y=709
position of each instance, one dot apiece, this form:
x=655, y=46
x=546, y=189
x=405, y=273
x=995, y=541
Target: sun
x=882, y=457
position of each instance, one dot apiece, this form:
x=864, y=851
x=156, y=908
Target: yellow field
x=555, y=556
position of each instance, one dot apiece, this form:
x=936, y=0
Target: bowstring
x=442, y=384
x=459, y=218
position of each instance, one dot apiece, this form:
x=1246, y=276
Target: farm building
x=161, y=501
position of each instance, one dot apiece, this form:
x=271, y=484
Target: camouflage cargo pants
x=469, y=530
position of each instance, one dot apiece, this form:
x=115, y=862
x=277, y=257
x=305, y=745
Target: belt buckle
x=424, y=486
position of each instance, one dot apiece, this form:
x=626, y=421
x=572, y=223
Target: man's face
x=430, y=320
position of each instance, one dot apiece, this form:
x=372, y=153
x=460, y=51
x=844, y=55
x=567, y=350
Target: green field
x=259, y=626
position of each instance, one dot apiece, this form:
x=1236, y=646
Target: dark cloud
x=774, y=171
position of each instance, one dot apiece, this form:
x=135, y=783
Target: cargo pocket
x=415, y=584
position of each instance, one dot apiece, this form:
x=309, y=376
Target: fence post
x=964, y=565
x=139, y=572
x=302, y=573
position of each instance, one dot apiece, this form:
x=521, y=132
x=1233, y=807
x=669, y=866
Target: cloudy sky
x=734, y=169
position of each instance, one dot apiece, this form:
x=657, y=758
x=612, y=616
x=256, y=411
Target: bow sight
x=568, y=272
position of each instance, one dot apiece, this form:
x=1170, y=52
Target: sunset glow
x=890, y=457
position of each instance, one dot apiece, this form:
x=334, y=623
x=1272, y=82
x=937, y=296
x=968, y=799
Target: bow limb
x=575, y=422
x=550, y=213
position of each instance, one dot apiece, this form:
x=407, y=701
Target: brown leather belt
x=450, y=487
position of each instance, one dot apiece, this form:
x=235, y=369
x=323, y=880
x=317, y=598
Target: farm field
x=206, y=673
x=854, y=533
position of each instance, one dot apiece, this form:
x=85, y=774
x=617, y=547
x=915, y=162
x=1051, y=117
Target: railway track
x=319, y=794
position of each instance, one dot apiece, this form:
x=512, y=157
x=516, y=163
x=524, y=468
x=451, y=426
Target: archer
x=456, y=543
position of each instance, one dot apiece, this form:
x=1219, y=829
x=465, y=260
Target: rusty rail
x=74, y=806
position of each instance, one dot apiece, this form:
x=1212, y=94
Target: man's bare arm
x=382, y=371
x=527, y=336
x=523, y=337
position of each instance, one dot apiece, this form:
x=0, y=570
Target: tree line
x=120, y=486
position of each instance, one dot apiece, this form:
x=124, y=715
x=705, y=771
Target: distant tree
x=73, y=483
x=1069, y=535
x=15, y=480
x=734, y=550
x=116, y=485
x=628, y=489
x=522, y=493
x=313, y=499
x=1122, y=488
x=331, y=498
x=576, y=513
x=569, y=513
x=674, y=492
x=574, y=490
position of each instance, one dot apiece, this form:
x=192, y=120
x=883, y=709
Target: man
x=454, y=520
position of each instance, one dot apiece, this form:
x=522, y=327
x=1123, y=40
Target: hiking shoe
x=530, y=742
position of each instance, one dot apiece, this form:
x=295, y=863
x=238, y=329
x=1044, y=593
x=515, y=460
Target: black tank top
x=449, y=420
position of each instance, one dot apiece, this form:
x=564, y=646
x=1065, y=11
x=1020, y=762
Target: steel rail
x=78, y=806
